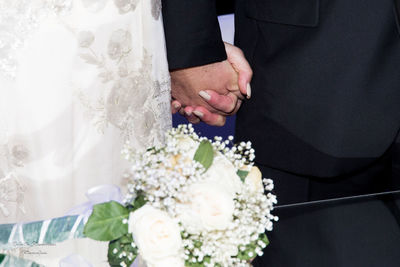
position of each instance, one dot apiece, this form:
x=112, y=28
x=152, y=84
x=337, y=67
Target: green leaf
x=105, y=223
x=197, y=244
x=264, y=238
x=193, y=264
x=139, y=202
x=151, y=148
x=116, y=247
x=204, y=154
x=242, y=174
x=244, y=255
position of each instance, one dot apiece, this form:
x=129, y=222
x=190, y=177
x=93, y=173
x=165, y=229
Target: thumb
x=241, y=66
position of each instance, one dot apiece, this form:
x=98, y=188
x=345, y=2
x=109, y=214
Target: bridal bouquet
x=194, y=202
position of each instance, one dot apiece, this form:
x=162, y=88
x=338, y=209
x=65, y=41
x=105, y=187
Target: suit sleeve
x=192, y=33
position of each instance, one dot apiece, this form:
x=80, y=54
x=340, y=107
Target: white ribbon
x=43, y=231
x=96, y=195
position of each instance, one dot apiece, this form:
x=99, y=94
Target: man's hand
x=188, y=85
x=219, y=103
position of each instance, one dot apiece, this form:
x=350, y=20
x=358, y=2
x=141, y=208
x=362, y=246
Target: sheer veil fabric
x=78, y=80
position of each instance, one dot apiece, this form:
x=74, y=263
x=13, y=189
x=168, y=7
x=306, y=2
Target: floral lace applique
x=125, y=6
x=18, y=18
x=12, y=156
x=132, y=100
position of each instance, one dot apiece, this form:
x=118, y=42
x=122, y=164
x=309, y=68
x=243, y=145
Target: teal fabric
x=59, y=230
x=5, y=231
x=32, y=232
x=10, y=261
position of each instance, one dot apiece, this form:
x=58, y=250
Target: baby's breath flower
x=163, y=177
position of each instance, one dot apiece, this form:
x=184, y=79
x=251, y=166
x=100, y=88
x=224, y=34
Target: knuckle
x=231, y=107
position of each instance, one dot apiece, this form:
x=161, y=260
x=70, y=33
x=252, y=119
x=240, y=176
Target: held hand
x=189, y=84
x=201, y=113
x=221, y=102
x=241, y=65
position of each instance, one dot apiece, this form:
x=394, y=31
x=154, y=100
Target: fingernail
x=188, y=113
x=205, y=95
x=177, y=105
x=198, y=113
x=248, y=91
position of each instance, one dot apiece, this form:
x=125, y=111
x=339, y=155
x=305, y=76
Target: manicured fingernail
x=205, y=95
x=188, y=113
x=177, y=105
x=248, y=91
x=198, y=113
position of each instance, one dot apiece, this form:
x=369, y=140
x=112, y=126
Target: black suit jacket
x=326, y=85
x=326, y=102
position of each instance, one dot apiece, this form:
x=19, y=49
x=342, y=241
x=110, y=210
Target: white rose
x=156, y=235
x=188, y=144
x=254, y=180
x=210, y=207
x=223, y=173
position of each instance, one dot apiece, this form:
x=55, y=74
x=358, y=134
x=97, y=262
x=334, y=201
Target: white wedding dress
x=78, y=79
